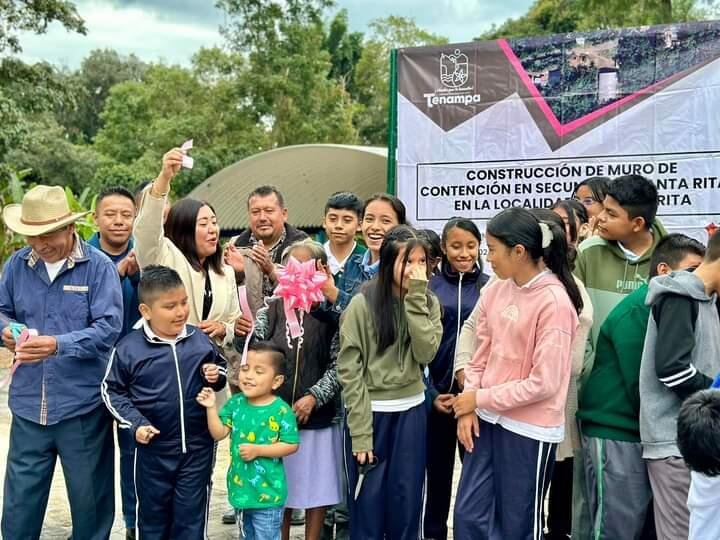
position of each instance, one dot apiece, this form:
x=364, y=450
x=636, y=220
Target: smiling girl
x=389, y=333
x=381, y=213
x=457, y=287
x=511, y=414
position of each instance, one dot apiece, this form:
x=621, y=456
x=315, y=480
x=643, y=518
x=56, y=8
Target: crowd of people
x=577, y=372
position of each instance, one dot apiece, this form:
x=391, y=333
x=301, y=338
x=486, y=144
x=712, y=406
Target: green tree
x=99, y=72
x=563, y=16
x=143, y=119
x=26, y=91
x=290, y=90
x=373, y=72
x=345, y=50
x=51, y=158
x=35, y=16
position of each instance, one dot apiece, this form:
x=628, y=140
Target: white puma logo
x=511, y=312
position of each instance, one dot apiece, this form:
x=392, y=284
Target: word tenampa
x=452, y=99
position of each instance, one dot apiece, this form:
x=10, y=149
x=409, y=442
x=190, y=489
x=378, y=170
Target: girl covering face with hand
x=390, y=332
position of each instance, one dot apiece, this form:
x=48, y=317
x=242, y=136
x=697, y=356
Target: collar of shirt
x=152, y=336
x=629, y=255
x=77, y=254
x=335, y=265
x=370, y=269
x=536, y=278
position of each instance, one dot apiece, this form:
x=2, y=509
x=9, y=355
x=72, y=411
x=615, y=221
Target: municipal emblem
x=453, y=69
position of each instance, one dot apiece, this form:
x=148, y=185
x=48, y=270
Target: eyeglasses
x=586, y=201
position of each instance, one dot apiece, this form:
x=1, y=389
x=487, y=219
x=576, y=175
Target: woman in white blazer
x=188, y=242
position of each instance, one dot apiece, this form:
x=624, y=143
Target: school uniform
x=155, y=381
x=458, y=293
x=519, y=377
x=385, y=403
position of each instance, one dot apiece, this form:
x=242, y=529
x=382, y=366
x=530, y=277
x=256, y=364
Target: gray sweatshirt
x=680, y=357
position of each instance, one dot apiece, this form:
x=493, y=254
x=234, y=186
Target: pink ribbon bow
x=300, y=286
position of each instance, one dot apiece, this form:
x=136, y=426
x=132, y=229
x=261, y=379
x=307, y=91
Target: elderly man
x=69, y=292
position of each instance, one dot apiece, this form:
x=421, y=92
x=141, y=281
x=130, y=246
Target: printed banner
x=488, y=125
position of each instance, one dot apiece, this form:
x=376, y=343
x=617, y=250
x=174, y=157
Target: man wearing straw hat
x=69, y=292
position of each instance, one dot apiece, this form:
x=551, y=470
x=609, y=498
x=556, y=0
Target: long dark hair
x=397, y=205
x=548, y=216
x=379, y=291
x=575, y=211
x=180, y=230
x=598, y=186
x=518, y=226
x=466, y=225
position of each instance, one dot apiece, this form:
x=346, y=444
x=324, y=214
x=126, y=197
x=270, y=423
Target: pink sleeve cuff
x=482, y=398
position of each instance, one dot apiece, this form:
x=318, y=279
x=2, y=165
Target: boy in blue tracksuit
x=150, y=385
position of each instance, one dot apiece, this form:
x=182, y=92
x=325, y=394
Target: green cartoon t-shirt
x=259, y=483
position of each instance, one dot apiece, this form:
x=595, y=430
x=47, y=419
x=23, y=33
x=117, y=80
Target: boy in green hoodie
x=617, y=262
x=609, y=405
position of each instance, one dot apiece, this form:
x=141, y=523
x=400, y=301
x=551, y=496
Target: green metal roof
x=306, y=176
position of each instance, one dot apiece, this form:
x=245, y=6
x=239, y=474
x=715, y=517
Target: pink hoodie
x=521, y=368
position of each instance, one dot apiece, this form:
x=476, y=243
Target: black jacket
x=292, y=235
x=311, y=360
x=155, y=382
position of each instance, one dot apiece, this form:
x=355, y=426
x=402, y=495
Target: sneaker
x=228, y=518
x=298, y=517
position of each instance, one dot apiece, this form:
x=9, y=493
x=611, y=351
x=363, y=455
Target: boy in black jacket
x=150, y=385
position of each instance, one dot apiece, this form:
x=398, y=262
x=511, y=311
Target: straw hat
x=44, y=209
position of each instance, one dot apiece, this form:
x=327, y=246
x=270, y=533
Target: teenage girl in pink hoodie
x=511, y=414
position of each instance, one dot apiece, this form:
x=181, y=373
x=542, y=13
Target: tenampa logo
x=454, y=69
x=454, y=75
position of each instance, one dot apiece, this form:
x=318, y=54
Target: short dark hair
x=155, y=280
x=345, y=200
x=698, y=432
x=713, y=248
x=672, y=249
x=396, y=204
x=114, y=190
x=597, y=185
x=637, y=195
x=266, y=191
x=277, y=355
x=180, y=230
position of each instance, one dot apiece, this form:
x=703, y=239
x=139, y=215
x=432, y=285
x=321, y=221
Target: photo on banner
x=520, y=122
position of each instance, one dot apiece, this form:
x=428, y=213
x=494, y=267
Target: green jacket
x=366, y=375
x=609, y=277
x=609, y=402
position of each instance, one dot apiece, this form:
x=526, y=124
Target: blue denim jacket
x=83, y=309
x=355, y=273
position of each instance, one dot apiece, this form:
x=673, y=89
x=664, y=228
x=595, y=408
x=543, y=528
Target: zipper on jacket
x=459, y=325
x=182, y=399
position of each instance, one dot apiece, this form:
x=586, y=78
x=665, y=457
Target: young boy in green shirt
x=263, y=430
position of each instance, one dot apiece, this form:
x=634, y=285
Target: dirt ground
x=57, y=523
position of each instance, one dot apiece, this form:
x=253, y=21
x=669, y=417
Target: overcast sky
x=173, y=30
